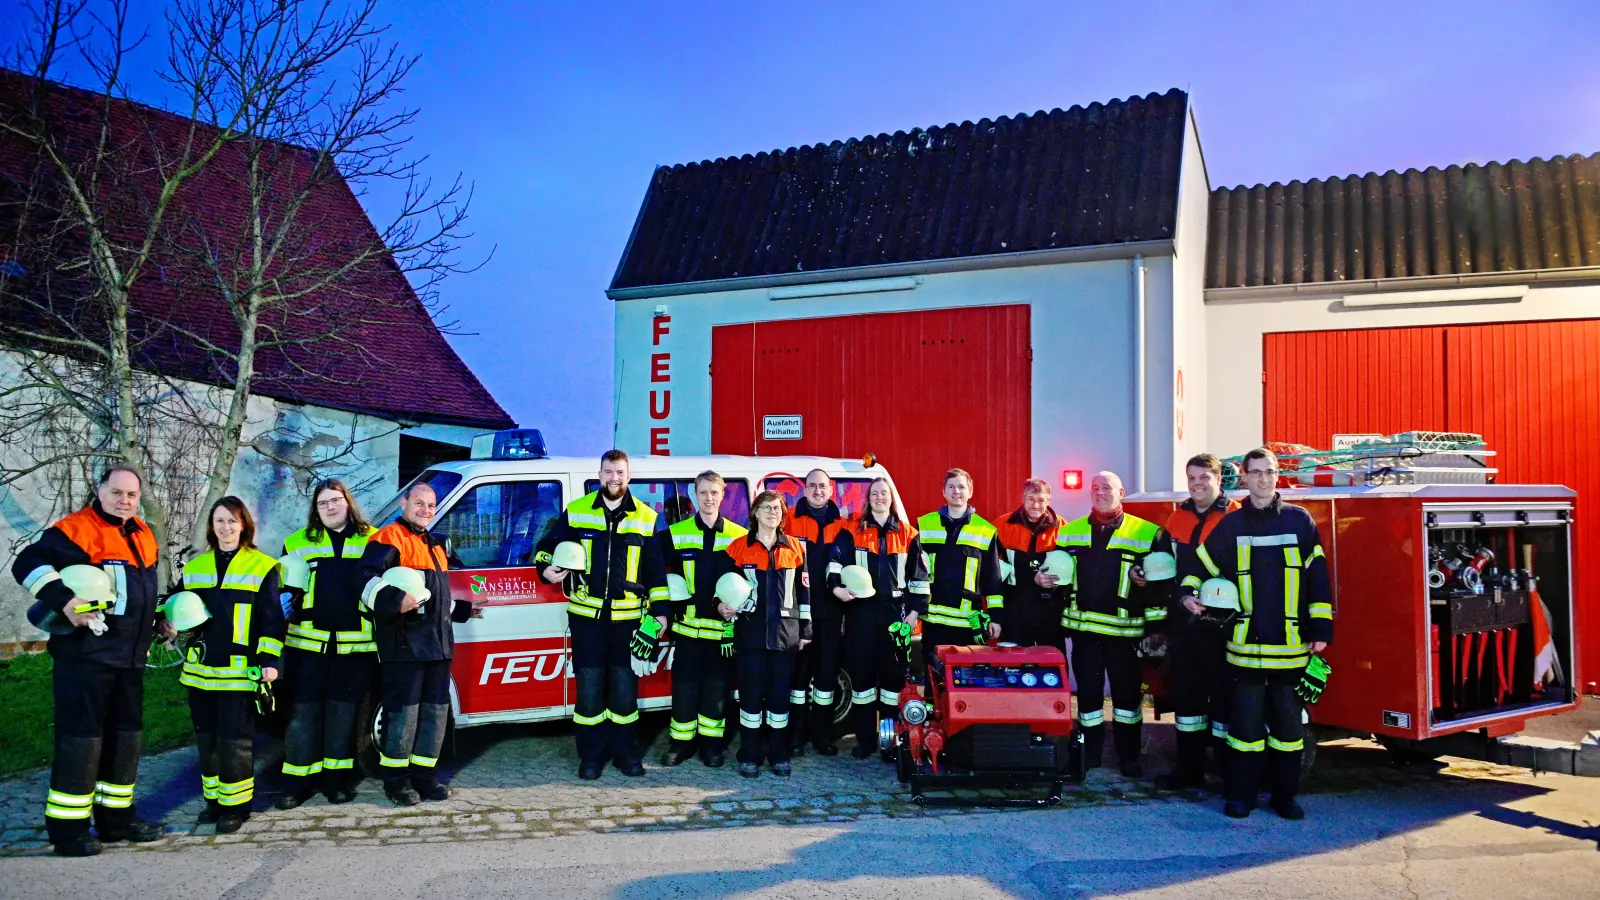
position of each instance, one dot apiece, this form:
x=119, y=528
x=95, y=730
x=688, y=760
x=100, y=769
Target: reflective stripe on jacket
x=329, y=614
x=691, y=550
x=625, y=572
x=246, y=627
x=963, y=567
x=782, y=616
x=1104, y=598
x=892, y=554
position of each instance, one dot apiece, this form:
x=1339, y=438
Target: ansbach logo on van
x=504, y=587
x=781, y=428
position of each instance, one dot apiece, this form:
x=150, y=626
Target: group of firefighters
x=776, y=609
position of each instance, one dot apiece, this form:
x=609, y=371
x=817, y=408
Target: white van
x=513, y=665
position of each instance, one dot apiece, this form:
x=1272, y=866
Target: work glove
x=1314, y=680
x=646, y=640
x=900, y=636
x=980, y=626
x=266, y=699
x=727, y=640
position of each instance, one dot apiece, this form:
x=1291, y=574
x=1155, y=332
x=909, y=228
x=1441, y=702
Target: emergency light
x=1072, y=479
x=513, y=443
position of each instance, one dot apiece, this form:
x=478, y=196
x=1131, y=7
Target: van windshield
x=442, y=482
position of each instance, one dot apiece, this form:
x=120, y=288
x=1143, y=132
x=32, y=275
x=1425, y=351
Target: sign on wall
x=781, y=428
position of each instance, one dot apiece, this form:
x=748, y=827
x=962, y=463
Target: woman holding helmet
x=878, y=572
x=231, y=655
x=331, y=653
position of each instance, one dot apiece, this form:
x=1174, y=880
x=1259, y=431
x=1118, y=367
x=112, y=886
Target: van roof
x=726, y=464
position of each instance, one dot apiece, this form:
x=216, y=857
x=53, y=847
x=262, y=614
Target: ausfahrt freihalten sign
x=781, y=428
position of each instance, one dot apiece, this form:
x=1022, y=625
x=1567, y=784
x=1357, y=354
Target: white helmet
x=90, y=584
x=411, y=581
x=677, y=589
x=296, y=574
x=1060, y=564
x=185, y=610
x=734, y=590
x=1219, y=593
x=569, y=555
x=858, y=580
x=1160, y=566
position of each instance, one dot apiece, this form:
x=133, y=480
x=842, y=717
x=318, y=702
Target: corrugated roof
x=1100, y=174
x=1500, y=217
x=393, y=361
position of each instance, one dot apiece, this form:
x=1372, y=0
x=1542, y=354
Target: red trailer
x=1436, y=612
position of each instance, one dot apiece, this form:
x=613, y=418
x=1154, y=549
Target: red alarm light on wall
x=1072, y=479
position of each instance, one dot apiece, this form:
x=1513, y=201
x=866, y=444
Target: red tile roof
x=386, y=355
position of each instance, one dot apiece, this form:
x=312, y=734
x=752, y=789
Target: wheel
x=843, y=699
x=369, y=736
x=1403, y=752
x=1308, y=756
x=904, y=768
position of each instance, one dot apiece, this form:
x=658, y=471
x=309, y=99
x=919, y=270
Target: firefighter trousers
x=1200, y=687
x=225, y=735
x=99, y=724
x=1094, y=657
x=764, y=691
x=416, y=712
x=814, y=684
x=876, y=671
x=699, y=694
x=605, y=713
x=326, y=690
x=1266, y=734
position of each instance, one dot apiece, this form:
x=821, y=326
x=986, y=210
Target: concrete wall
x=1236, y=323
x=1082, y=337
x=1185, y=382
x=363, y=450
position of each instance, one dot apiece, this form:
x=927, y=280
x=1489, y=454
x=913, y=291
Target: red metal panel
x=1532, y=389
x=923, y=390
x=1376, y=381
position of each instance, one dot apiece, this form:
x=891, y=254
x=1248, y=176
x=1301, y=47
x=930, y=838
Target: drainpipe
x=1138, y=374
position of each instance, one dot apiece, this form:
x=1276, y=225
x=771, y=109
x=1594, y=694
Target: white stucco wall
x=1189, y=408
x=361, y=449
x=1235, y=329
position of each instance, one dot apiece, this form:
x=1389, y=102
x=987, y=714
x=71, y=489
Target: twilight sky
x=558, y=112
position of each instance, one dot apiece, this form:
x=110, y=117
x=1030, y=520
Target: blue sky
x=559, y=112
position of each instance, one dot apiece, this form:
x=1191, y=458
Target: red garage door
x=1532, y=389
x=925, y=391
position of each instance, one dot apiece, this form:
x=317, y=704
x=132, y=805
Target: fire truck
x=513, y=663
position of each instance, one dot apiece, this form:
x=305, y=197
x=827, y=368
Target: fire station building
x=1058, y=293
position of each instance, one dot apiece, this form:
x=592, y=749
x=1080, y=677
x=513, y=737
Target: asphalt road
x=1501, y=838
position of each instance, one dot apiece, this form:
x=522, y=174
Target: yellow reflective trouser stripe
x=1285, y=746
x=393, y=763
x=58, y=805
x=1092, y=717
x=336, y=764
x=1192, y=723
x=749, y=719
x=290, y=768
x=623, y=719
x=241, y=623
x=426, y=762
x=1246, y=746
x=1127, y=716
x=589, y=720
x=236, y=793
x=777, y=720
x=208, y=786
x=710, y=727
x=681, y=731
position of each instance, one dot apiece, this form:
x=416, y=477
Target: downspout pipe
x=1138, y=375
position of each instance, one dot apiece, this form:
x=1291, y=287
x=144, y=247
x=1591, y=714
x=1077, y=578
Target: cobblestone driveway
x=521, y=782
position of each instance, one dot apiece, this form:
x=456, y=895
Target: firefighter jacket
x=1274, y=556
x=127, y=551
x=1185, y=530
x=246, y=628
x=692, y=550
x=1104, y=599
x=963, y=567
x=1023, y=545
x=424, y=634
x=328, y=617
x=626, y=572
x=817, y=529
x=778, y=575
x=892, y=554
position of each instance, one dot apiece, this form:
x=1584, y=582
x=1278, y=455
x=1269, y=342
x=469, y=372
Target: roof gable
x=1101, y=174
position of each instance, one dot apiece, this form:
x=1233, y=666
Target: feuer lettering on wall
x=660, y=398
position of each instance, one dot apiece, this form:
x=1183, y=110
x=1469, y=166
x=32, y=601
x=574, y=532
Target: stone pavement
x=521, y=782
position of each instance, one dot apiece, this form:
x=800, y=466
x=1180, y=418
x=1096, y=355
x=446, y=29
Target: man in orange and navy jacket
x=815, y=519
x=416, y=640
x=1197, y=652
x=1025, y=537
x=99, y=677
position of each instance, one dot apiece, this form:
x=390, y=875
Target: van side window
x=849, y=493
x=674, y=500
x=497, y=525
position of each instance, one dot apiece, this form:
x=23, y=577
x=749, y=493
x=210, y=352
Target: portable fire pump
x=993, y=717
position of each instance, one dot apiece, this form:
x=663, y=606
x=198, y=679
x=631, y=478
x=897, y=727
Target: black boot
x=429, y=788
x=233, y=818
x=676, y=755
x=78, y=846
x=210, y=813
x=298, y=791
x=1094, y=744
x=132, y=829
x=400, y=792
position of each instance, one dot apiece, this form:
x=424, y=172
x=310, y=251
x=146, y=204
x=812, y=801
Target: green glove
x=980, y=626
x=1314, y=680
x=266, y=699
x=727, y=639
x=646, y=639
x=900, y=634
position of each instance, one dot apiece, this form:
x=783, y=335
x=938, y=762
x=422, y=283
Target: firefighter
x=1272, y=551
x=230, y=656
x=816, y=521
x=702, y=648
x=963, y=568
x=768, y=637
x=404, y=571
x=1025, y=537
x=889, y=550
x=98, y=673
x=625, y=582
x=1108, y=614
x=1196, y=651
x=329, y=649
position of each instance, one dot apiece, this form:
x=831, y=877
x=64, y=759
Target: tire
x=1403, y=752
x=369, y=729
x=904, y=768
x=843, y=701
x=1308, y=756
